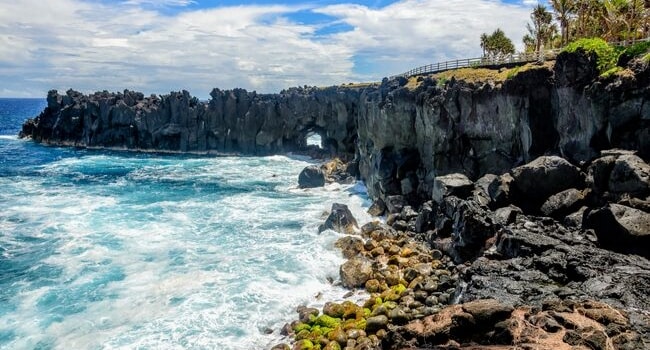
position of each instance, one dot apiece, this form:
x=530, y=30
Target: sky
x=158, y=46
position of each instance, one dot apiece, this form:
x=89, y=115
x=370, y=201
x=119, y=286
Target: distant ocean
x=109, y=250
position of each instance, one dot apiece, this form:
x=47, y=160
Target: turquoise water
x=102, y=250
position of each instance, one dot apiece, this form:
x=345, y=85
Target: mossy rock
x=327, y=321
x=305, y=344
x=332, y=346
x=351, y=310
x=333, y=309
x=300, y=327
x=338, y=336
x=303, y=334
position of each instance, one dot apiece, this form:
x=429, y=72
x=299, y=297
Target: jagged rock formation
x=232, y=121
x=402, y=138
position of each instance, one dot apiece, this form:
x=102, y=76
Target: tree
x=624, y=19
x=589, y=20
x=496, y=44
x=564, y=10
x=529, y=43
x=484, y=43
x=542, y=30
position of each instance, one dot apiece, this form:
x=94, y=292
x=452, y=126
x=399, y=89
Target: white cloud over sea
x=143, y=45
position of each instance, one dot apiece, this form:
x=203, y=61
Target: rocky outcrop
x=340, y=220
x=310, y=177
x=231, y=121
x=488, y=324
x=401, y=137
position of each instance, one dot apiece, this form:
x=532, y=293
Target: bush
x=637, y=49
x=607, y=55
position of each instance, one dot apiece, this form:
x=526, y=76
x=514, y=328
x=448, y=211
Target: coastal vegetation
x=569, y=20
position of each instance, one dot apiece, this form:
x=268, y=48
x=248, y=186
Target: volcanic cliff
x=536, y=189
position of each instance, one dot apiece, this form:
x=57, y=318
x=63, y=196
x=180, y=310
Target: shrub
x=607, y=55
x=637, y=49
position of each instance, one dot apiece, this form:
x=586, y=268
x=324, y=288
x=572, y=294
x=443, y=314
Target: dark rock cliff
x=402, y=137
x=232, y=121
x=407, y=137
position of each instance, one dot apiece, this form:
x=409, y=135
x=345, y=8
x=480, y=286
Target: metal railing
x=523, y=57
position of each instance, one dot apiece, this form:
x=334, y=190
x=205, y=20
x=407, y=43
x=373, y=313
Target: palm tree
x=484, y=43
x=496, y=44
x=529, y=43
x=589, y=19
x=542, y=29
x=624, y=19
x=564, y=10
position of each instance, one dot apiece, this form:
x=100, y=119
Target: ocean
x=118, y=250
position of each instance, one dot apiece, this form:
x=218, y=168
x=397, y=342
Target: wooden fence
x=495, y=61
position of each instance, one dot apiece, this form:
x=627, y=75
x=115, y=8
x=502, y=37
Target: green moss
x=607, y=55
x=306, y=344
x=611, y=72
x=327, y=321
x=512, y=72
x=399, y=289
x=390, y=305
x=366, y=312
x=303, y=334
x=646, y=58
x=350, y=309
x=361, y=324
x=301, y=326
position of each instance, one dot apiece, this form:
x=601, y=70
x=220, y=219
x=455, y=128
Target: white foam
x=198, y=269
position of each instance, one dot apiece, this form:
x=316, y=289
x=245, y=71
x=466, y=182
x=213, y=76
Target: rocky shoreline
x=525, y=202
x=547, y=255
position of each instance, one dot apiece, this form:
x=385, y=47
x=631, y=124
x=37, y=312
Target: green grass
x=646, y=58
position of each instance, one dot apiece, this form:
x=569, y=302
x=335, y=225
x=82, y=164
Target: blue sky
x=156, y=46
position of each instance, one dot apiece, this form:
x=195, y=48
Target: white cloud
x=90, y=45
x=159, y=2
x=417, y=32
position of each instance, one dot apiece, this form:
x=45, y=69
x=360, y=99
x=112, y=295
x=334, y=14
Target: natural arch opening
x=314, y=139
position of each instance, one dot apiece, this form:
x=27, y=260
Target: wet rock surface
x=340, y=220
x=310, y=177
x=472, y=269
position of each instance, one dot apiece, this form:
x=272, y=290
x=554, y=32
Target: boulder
x=310, y=177
x=395, y=204
x=340, y=220
x=355, y=272
x=426, y=218
x=376, y=323
x=487, y=311
x=472, y=226
x=507, y=215
x=500, y=189
x=378, y=208
x=451, y=185
x=350, y=246
x=599, y=171
x=631, y=175
x=563, y=203
x=544, y=177
x=621, y=228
